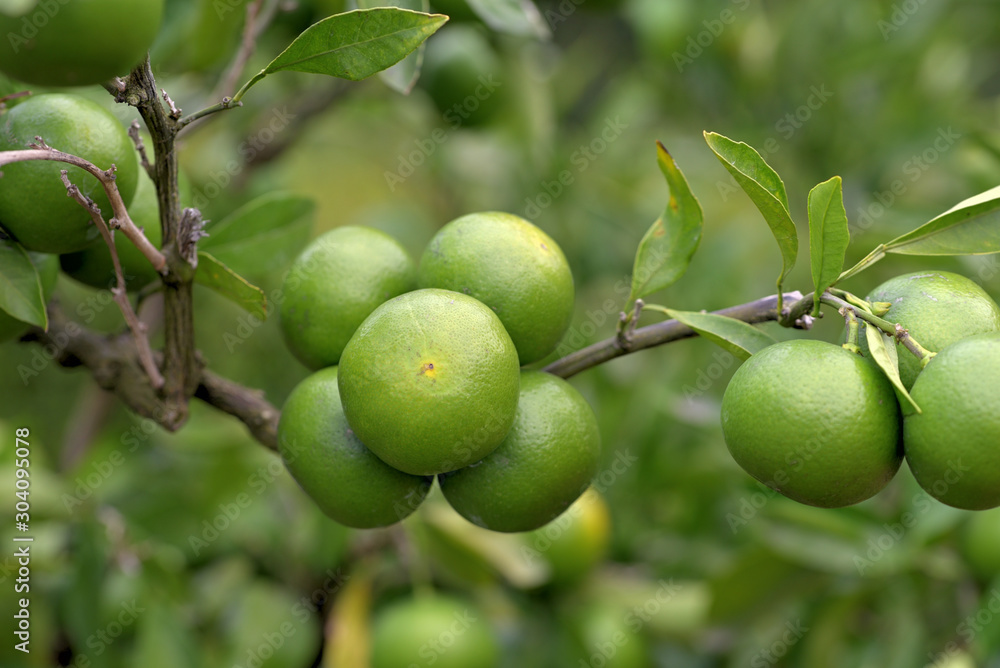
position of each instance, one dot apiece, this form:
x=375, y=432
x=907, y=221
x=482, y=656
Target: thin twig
x=119, y=293
x=257, y=20
x=133, y=133
x=120, y=220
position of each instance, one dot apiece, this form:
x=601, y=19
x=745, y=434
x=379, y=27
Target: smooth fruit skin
x=336, y=470
x=335, y=283
x=546, y=462
x=437, y=630
x=980, y=543
x=813, y=421
x=511, y=266
x=953, y=446
x=78, y=42
x=48, y=269
x=938, y=308
x=429, y=381
x=34, y=207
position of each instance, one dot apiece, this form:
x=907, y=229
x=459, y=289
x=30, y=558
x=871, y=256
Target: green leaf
x=354, y=45
x=402, y=76
x=886, y=357
x=829, y=235
x=766, y=191
x=263, y=235
x=514, y=17
x=215, y=275
x=736, y=336
x=21, y=286
x=971, y=227
x=666, y=251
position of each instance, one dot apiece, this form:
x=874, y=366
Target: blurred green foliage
x=197, y=549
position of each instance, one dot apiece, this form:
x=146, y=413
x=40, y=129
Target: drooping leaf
x=348, y=629
x=668, y=246
x=402, y=76
x=354, y=45
x=21, y=286
x=514, y=17
x=262, y=235
x=215, y=275
x=886, y=357
x=971, y=227
x=829, y=235
x=736, y=336
x=765, y=189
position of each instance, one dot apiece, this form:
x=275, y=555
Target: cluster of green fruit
x=823, y=425
x=419, y=374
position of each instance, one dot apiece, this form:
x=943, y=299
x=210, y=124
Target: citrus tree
x=427, y=400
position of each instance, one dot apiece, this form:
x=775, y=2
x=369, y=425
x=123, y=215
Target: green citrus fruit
x=34, y=207
x=429, y=381
x=335, y=283
x=937, y=308
x=980, y=543
x=93, y=266
x=576, y=541
x=545, y=463
x=336, y=470
x=437, y=630
x=464, y=76
x=953, y=446
x=511, y=266
x=608, y=635
x=48, y=269
x=77, y=42
x=813, y=421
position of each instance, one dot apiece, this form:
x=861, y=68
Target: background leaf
x=215, y=275
x=829, y=235
x=668, y=246
x=971, y=227
x=263, y=235
x=355, y=45
x=21, y=286
x=765, y=189
x=736, y=336
x=515, y=17
x=886, y=358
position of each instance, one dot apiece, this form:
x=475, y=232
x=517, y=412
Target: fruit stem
x=895, y=330
x=852, y=330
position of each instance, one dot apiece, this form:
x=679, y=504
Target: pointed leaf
x=348, y=629
x=263, y=235
x=214, y=275
x=886, y=357
x=736, y=336
x=21, y=286
x=514, y=17
x=971, y=227
x=829, y=235
x=765, y=189
x=354, y=45
x=665, y=252
x=402, y=76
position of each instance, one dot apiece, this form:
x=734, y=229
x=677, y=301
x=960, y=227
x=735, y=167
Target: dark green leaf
x=355, y=45
x=886, y=357
x=829, y=234
x=736, y=336
x=665, y=252
x=215, y=275
x=402, y=76
x=263, y=235
x=515, y=17
x=971, y=227
x=21, y=286
x=766, y=191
